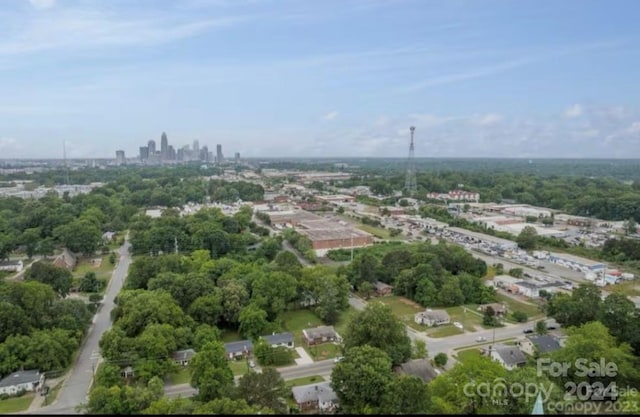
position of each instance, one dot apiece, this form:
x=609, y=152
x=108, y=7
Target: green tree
x=630, y=227
x=528, y=238
x=450, y=294
x=58, y=278
x=361, y=379
x=253, y=321
x=366, y=288
x=30, y=239
x=207, y=309
x=265, y=389
x=406, y=394
x=441, y=359
x=376, y=326
x=90, y=283
x=520, y=316
x=210, y=372
x=171, y=406
x=81, y=235
x=619, y=313
x=14, y=320
x=516, y=272
x=229, y=406
x=584, y=305
x=419, y=349
x=541, y=327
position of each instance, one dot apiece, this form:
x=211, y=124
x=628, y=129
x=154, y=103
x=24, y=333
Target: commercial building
x=502, y=244
x=219, y=156
x=575, y=262
x=120, y=158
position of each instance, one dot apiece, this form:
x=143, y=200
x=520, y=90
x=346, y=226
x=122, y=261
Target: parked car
x=481, y=339
x=338, y=359
x=528, y=330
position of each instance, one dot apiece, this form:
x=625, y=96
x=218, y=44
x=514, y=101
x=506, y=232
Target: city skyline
x=528, y=79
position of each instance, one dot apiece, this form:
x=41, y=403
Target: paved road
x=76, y=387
x=322, y=368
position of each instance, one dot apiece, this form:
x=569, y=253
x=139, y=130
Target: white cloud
x=487, y=119
x=42, y=4
x=331, y=115
x=573, y=111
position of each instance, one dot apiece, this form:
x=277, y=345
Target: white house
x=432, y=318
x=21, y=381
x=11, y=266
x=510, y=357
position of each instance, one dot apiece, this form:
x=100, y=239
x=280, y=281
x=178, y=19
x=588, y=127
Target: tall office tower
x=204, y=154
x=171, y=153
x=180, y=155
x=196, y=149
x=151, y=145
x=219, y=156
x=120, y=159
x=164, y=146
x=237, y=157
x=144, y=153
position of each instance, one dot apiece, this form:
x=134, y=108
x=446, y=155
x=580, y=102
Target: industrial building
x=502, y=244
x=575, y=262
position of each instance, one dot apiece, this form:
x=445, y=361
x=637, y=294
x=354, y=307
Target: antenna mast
x=410, y=181
x=64, y=156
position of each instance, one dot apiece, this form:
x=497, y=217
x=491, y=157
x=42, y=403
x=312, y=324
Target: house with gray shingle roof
x=417, y=367
x=315, y=397
x=539, y=343
x=280, y=339
x=30, y=380
x=510, y=357
x=239, y=349
x=182, y=357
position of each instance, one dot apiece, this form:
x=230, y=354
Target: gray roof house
x=320, y=334
x=315, y=397
x=417, y=367
x=21, y=381
x=432, y=317
x=182, y=357
x=541, y=343
x=509, y=356
x=280, y=339
x=238, y=349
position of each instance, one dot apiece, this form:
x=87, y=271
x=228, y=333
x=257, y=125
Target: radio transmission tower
x=410, y=181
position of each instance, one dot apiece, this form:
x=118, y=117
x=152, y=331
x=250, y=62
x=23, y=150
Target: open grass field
x=324, y=351
x=239, y=367
x=532, y=310
x=376, y=231
x=230, y=336
x=183, y=376
x=16, y=404
x=628, y=288
x=102, y=268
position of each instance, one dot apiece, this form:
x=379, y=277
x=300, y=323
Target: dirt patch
x=409, y=302
x=96, y=262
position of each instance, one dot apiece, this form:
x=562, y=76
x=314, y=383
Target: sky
x=330, y=78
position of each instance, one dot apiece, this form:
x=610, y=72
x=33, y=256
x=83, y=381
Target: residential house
x=280, y=339
x=382, y=289
x=510, y=357
x=19, y=381
x=182, y=357
x=432, y=318
x=322, y=334
x=318, y=397
x=127, y=372
x=11, y=266
x=417, y=367
x=539, y=343
x=66, y=260
x=499, y=309
x=108, y=236
x=239, y=349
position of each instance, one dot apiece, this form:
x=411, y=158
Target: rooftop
x=239, y=346
x=510, y=355
x=277, y=338
x=418, y=367
x=20, y=377
x=314, y=392
x=544, y=343
x=576, y=259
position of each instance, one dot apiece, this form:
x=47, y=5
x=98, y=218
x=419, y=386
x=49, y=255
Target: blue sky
x=478, y=78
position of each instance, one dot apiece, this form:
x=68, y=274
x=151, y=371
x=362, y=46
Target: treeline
x=601, y=197
x=301, y=243
x=432, y=275
x=39, y=330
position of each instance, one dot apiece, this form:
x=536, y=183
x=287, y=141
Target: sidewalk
x=38, y=400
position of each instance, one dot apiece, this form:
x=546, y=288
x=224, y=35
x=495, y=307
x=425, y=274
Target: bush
x=95, y=298
x=520, y=316
x=441, y=359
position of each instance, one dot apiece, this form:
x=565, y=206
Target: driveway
x=304, y=358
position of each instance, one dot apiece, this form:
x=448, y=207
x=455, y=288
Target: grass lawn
x=307, y=380
x=345, y=318
x=52, y=394
x=239, y=367
x=532, y=310
x=376, y=231
x=230, y=336
x=183, y=376
x=468, y=353
x=103, y=272
x=13, y=405
x=324, y=351
x=629, y=288
x=297, y=320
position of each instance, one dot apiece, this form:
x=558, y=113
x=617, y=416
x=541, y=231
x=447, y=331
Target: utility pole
x=175, y=243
